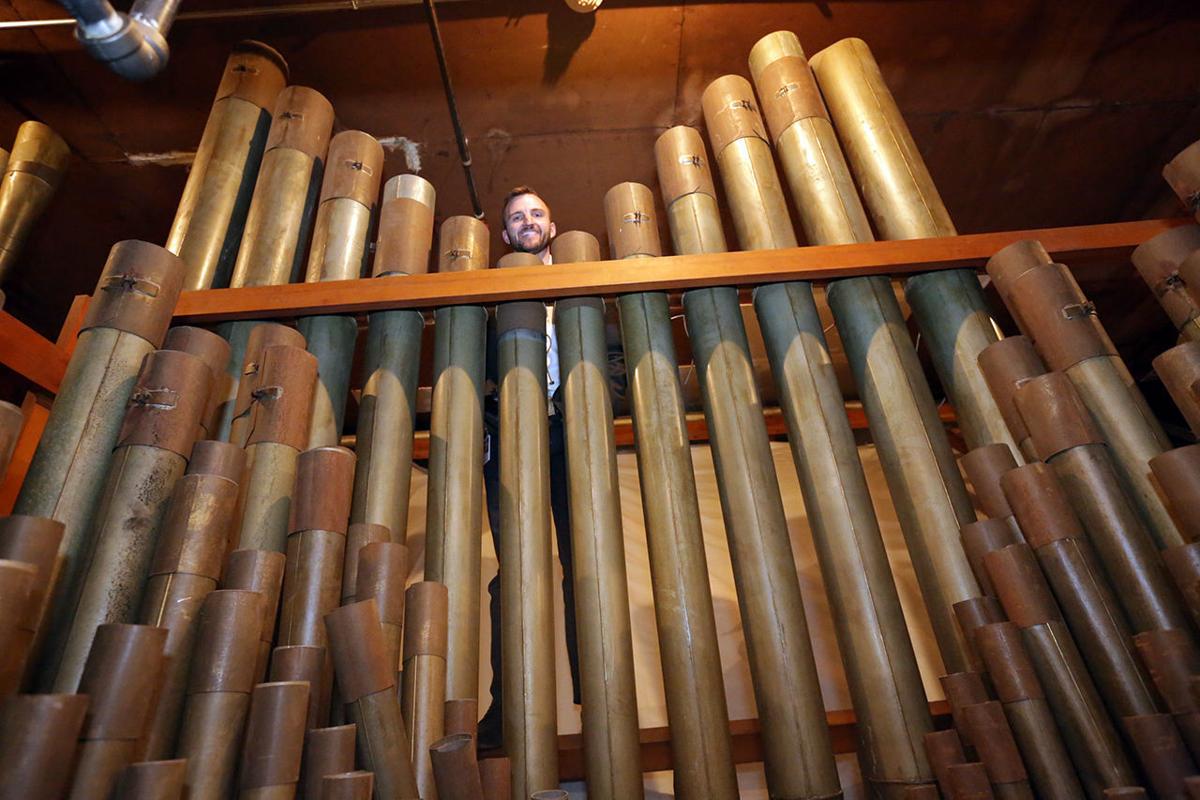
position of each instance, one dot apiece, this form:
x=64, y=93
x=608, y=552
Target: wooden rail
x=1072, y=245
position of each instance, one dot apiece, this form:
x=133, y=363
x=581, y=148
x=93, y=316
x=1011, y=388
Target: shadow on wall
x=566, y=31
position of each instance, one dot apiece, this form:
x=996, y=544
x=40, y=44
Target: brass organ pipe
x=387, y=407
x=340, y=251
x=904, y=203
x=316, y=546
x=798, y=756
x=31, y=175
x=18, y=602
x=1068, y=441
x=382, y=570
x=423, y=684
x=247, y=351
x=277, y=430
x=1158, y=260
x=286, y=193
x=1182, y=173
x=259, y=571
x=695, y=691
x=33, y=541
x=1067, y=334
x=610, y=724
x=126, y=319
x=327, y=751
x=274, y=742
x=1005, y=365
x=526, y=585
x=304, y=662
x=213, y=350
x=152, y=780
x=185, y=568
x=931, y=501
x=152, y=453
x=38, y=734
x=208, y=224
x=1179, y=370
x=454, y=511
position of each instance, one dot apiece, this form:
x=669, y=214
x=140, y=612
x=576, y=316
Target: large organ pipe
x=213, y=350
x=327, y=751
x=274, y=741
x=1157, y=260
x=316, y=546
x=340, y=250
x=368, y=685
x=1177, y=473
x=220, y=680
x=152, y=453
x=38, y=733
x=286, y=193
x=18, y=601
x=211, y=216
x=121, y=678
x=259, y=336
x=1182, y=173
x=184, y=570
x=258, y=571
x=1068, y=441
x=33, y=541
x=1007, y=364
x=423, y=685
x=387, y=407
x=526, y=577
x=1063, y=326
x=904, y=204
x=454, y=511
x=798, y=757
x=126, y=319
x=304, y=662
x=31, y=176
x=930, y=499
x=1076, y=704
x=695, y=692
x=277, y=430
x=1179, y=370
x=152, y=780
x=382, y=569
x=608, y=688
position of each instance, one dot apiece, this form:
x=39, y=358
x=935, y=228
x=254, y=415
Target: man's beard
x=538, y=246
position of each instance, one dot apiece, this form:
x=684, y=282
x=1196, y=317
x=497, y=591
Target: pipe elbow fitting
x=135, y=50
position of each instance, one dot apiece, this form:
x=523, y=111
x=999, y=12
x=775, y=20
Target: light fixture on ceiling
x=583, y=6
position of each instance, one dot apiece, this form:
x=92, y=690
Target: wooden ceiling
x=1029, y=114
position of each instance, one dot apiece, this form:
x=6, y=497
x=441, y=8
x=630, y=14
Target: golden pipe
x=32, y=174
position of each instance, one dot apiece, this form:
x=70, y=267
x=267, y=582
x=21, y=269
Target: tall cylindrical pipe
x=151, y=455
x=358, y=536
x=610, y=723
x=1068, y=441
x=342, y=230
x=208, y=224
x=695, y=691
x=1007, y=364
x=1019, y=690
x=34, y=170
x=1087, y=729
x=455, y=768
x=331, y=340
x=277, y=431
x=302, y=662
x=153, y=780
x=1062, y=323
x=185, y=568
x=1157, y=260
x=387, y=407
x=33, y=541
x=285, y=195
x=121, y=678
x=213, y=350
x=259, y=571
x=38, y=735
x=526, y=577
x=1087, y=601
x=18, y=603
x=423, y=689
x=902, y=200
x=454, y=510
x=930, y=499
x=316, y=546
x=368, y=685
x=126, y=319
x=1177, y=472
x=382, y=569
x=258, y=336
x=274, y=742
x=782, y=665
x=220, y=680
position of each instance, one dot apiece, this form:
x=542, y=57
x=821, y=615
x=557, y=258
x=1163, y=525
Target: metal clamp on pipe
x=133, y=45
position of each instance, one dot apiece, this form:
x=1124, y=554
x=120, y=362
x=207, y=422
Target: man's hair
x=514, y=193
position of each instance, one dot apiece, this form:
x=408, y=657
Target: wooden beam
x=1070, y=245
x=747, y=744
x=31, y=355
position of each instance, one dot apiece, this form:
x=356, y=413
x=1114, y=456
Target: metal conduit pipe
x=134, y=44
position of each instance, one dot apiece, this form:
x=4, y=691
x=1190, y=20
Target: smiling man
x=528, y=228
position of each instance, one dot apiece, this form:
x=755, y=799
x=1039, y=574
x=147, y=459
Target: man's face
x=527, y=225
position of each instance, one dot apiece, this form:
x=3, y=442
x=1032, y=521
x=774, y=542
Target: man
x=528, y=228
